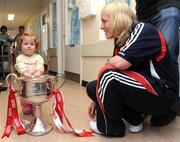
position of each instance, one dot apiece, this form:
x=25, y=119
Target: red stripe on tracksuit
x=141, y=80
x=97, y=87
x=163, y=47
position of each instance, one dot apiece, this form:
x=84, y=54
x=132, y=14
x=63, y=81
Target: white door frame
x=60, y=36
x=41, y=36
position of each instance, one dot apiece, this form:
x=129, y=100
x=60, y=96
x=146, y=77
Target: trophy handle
x=59, y=76
x=13, y=78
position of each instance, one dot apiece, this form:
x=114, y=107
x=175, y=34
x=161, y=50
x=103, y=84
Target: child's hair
x=29, y=35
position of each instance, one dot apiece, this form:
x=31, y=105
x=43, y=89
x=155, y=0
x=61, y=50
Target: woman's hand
x=118, y=62
x=92, y=110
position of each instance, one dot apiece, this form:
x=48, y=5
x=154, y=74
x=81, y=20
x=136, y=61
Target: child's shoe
x=2, y=88
x=26, y=123
x=135, y=129
x=27, y=110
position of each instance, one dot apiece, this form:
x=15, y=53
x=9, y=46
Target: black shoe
x=178, y=112
x=178, y=107
x=164, y=119
x=3, y=88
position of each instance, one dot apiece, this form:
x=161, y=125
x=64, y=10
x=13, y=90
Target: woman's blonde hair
x=29, y=35
x=121, y=19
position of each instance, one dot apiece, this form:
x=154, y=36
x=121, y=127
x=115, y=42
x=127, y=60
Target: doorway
x=44, y=38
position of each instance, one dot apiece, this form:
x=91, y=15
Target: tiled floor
x=76, y=103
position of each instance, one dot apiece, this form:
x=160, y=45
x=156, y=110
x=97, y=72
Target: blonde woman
x=135, y=82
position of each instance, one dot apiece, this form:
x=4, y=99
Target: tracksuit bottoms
x=127, y=95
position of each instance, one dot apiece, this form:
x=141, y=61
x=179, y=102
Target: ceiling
x=23, y=10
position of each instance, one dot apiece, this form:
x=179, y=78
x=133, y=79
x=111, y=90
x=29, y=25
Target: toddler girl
x=29, y=64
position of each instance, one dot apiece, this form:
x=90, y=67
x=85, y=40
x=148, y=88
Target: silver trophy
x=36, y=91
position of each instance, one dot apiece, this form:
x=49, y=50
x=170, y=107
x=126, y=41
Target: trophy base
x=38, y=127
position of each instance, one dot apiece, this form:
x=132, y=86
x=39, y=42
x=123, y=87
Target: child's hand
x=37, y=74
x=92, y=110
x=26, y=74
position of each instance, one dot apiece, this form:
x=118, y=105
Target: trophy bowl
x=36, y=91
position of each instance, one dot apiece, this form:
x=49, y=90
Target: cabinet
x=87, y=8
x=5, y=59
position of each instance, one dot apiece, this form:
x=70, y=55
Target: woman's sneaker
x=93, y=127
x=135, y=129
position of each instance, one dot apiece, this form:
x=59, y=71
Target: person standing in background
x=16, y=40
x=164, y=15
x=4, y=36
x=6, y=40
x=17, y=37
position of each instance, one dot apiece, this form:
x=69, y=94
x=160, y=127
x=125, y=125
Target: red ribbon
x=12, y=116
x=58, y=113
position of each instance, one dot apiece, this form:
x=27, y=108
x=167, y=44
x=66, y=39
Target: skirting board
x=73, y=76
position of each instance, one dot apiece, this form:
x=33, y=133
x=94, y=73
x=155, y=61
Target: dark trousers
x=121, y=101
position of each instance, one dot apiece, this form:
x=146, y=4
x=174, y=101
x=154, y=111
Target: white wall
x=94, y=56
x=12, y=33
x=72, y=59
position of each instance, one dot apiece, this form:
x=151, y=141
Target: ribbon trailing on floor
x=58, y=113
x=12, y=116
